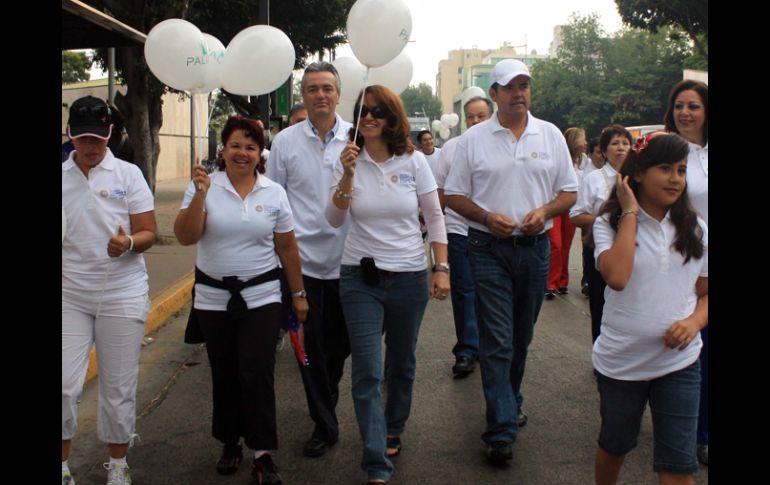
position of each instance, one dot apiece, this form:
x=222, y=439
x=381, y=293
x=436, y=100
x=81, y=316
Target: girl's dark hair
x=662, y=148
x=703, y=91
x=251, y=129
x=396, y=130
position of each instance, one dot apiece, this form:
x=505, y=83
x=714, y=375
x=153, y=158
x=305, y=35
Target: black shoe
x=499, y=452
x=563, y=290
x=316, y=447
x=522, y=419
x=584, y=290
x=230, y=460
x=550, y=294
x=265, y=471
x=703, y=454
x=463, y=366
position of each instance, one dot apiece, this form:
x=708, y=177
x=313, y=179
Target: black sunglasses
x=376, y=112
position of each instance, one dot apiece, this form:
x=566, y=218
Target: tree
x=692, y=16
x=75, y=67
x=419, y=99
x=596, y=81
x=312, y=25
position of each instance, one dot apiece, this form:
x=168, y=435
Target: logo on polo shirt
x=258, y=208
x=104, y=193
x=543, y=155
x=406, y=178
x=117, y=193
x=394, y=178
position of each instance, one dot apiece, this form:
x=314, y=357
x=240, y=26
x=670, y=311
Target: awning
x=84, y=27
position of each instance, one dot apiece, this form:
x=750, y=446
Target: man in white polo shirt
x=504, y=176
x=466, y=350
x=302, y=160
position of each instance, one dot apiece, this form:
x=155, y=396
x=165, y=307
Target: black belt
x=513, y=240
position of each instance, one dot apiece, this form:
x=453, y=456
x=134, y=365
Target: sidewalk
x=441, y=443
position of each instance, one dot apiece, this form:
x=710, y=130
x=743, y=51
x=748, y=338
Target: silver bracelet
x=626, y=213
x=131, y=245
x=342, y=195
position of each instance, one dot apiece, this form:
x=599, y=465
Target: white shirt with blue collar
x=303, y=164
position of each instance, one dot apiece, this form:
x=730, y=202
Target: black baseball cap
x=90, y=116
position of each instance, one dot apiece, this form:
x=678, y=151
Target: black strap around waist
x=236, y=305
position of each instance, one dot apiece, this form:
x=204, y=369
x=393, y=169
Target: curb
x=162, y=306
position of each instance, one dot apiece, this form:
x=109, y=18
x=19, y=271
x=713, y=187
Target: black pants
x=242, y=357
x=327, y=346
x=596, y=286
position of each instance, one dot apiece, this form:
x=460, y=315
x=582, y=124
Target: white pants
x=117, y=331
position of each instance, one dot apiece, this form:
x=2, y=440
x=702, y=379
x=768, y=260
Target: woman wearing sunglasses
x=383, y=279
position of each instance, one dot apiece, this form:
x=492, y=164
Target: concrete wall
x=174, y=160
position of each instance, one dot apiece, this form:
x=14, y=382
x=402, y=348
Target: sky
x=439, y=26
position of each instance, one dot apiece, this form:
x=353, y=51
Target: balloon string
x=196, y=130
x=361, y=104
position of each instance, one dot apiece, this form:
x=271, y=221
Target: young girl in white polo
x=651, y=248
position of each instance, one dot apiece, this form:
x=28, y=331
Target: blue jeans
x=509, y=292
x=703, y=412
x=673, y=402
x=396, y=306
x=463, y=296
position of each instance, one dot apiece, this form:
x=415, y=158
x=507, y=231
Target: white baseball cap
x=506, y=70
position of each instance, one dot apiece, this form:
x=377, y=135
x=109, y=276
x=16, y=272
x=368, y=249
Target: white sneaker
x=117, y=474
x=66, y=479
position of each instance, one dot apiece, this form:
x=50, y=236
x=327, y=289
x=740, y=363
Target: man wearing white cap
x=504, y=175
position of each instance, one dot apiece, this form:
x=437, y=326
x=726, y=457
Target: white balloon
x=472, y=92
x=445, y=119
x=396, y=74
x=63, y=224
x=436, y=125
x=352, y=75
x=215, y=55
x=345, y=109
x=378, y=30
x=453, y=120
x=444, y=133
x=175, y=51
x=257, y=61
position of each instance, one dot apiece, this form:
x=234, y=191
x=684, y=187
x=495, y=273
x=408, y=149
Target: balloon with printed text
x=175, y=51
x=378, y=30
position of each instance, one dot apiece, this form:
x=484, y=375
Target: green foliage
x=597, y=80
x=75, y=67
x=690, y=15
x=418, y=99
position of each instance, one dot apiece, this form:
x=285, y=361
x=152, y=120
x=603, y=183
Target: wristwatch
x=299, y=294
x=441, y=266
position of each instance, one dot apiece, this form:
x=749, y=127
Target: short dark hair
x=688, y=84
x=422, y=133
x=609, y=132
x=322, y=66
x=294, y=109
x=592, y=144
x=252, y=129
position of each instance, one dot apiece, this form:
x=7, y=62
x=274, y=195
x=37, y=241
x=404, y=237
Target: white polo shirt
x=304, y=165
x=95, y=207
x=433, y=159
x=512, y=177
x=455, y=223
x=383, y=211
x=698, y=179
x=661, y=290
x=594, y=191
x=238, y=239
